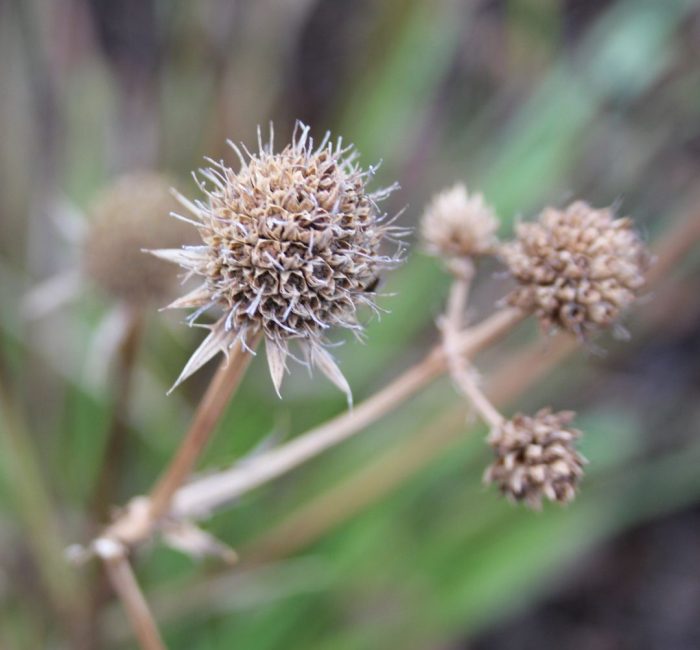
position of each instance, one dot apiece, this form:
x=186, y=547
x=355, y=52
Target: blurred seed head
x=536, y=458
x=577, y=268
x=129, y=216
x=459, y=224
x=290, y=247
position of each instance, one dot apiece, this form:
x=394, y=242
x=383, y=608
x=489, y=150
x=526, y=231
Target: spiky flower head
x=459, y=224
x=126, y=217
x=577, y=268
x=536, y=458
x=290, y=247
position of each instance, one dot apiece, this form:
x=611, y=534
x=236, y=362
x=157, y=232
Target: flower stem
x=210, y=492
x=462, y=374
x=210, y=409
x=139, y=614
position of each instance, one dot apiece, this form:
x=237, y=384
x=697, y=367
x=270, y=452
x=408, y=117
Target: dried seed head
x=536, y=458
x=291, y=246
x=457, y=224
x=578, y=269
x=130, y=215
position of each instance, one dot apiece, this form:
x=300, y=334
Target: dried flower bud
x=290, y=248
x=536, y=458
x=578, y=269
x=457, y=224
x=130, y=215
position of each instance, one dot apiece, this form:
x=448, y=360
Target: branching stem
x=200, y=497
x=463, y=375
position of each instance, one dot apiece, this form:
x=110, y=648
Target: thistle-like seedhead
x=536, y=458
x=457, y=224
x=128, y=216
x=577, y=269
x=290, y=248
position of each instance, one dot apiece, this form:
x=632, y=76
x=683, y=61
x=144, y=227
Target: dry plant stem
x=462, y=374
x=118, y=433
x=222, y=387
x=201, y=496
x=400, y=463
x=104, y=492
x=124, y=582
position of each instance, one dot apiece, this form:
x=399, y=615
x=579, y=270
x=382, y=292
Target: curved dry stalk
x=463, y=375
x=392, y=468
x=210, y=409
x=203, y=495
x=122, y=578
x=389, y=471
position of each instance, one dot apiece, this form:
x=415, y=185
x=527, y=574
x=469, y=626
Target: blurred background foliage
x=388, y=541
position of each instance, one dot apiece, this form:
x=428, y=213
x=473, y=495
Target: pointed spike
x=186, y=257
x=195, y=298
x=277, y=361
x=217, y=341
x=325, y=362
x=185, y=202
x=191, y=540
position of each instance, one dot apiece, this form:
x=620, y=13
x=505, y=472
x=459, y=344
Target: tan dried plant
x=459, y=224
x=291, y=247
x=128, y=216
x=578, y=269
x=536, y=458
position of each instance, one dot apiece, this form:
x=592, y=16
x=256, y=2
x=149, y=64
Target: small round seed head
x=536, y=458
x=130, y=215
x=291, y=246
x=458, y=224
x=577, y=268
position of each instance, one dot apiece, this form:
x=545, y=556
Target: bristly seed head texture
x=577, y=269
x=536, y=458
x=459, y=224
x=290, y=248
x=129, y=215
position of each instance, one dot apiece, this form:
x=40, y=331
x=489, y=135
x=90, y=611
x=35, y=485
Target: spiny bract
x=291, y=247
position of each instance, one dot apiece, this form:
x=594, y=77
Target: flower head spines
x=536, y=458
x=291, y=242
x=459, y=224
x=577, y=269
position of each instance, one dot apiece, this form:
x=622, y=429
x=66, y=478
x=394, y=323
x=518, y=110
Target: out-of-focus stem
x=34, y=506
x=122, y=578
x=117, y=434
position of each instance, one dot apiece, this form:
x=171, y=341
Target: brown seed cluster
x=457, y=224
x=291, y=247
x=536, y=458
x=127, y=217
x=577, y=268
